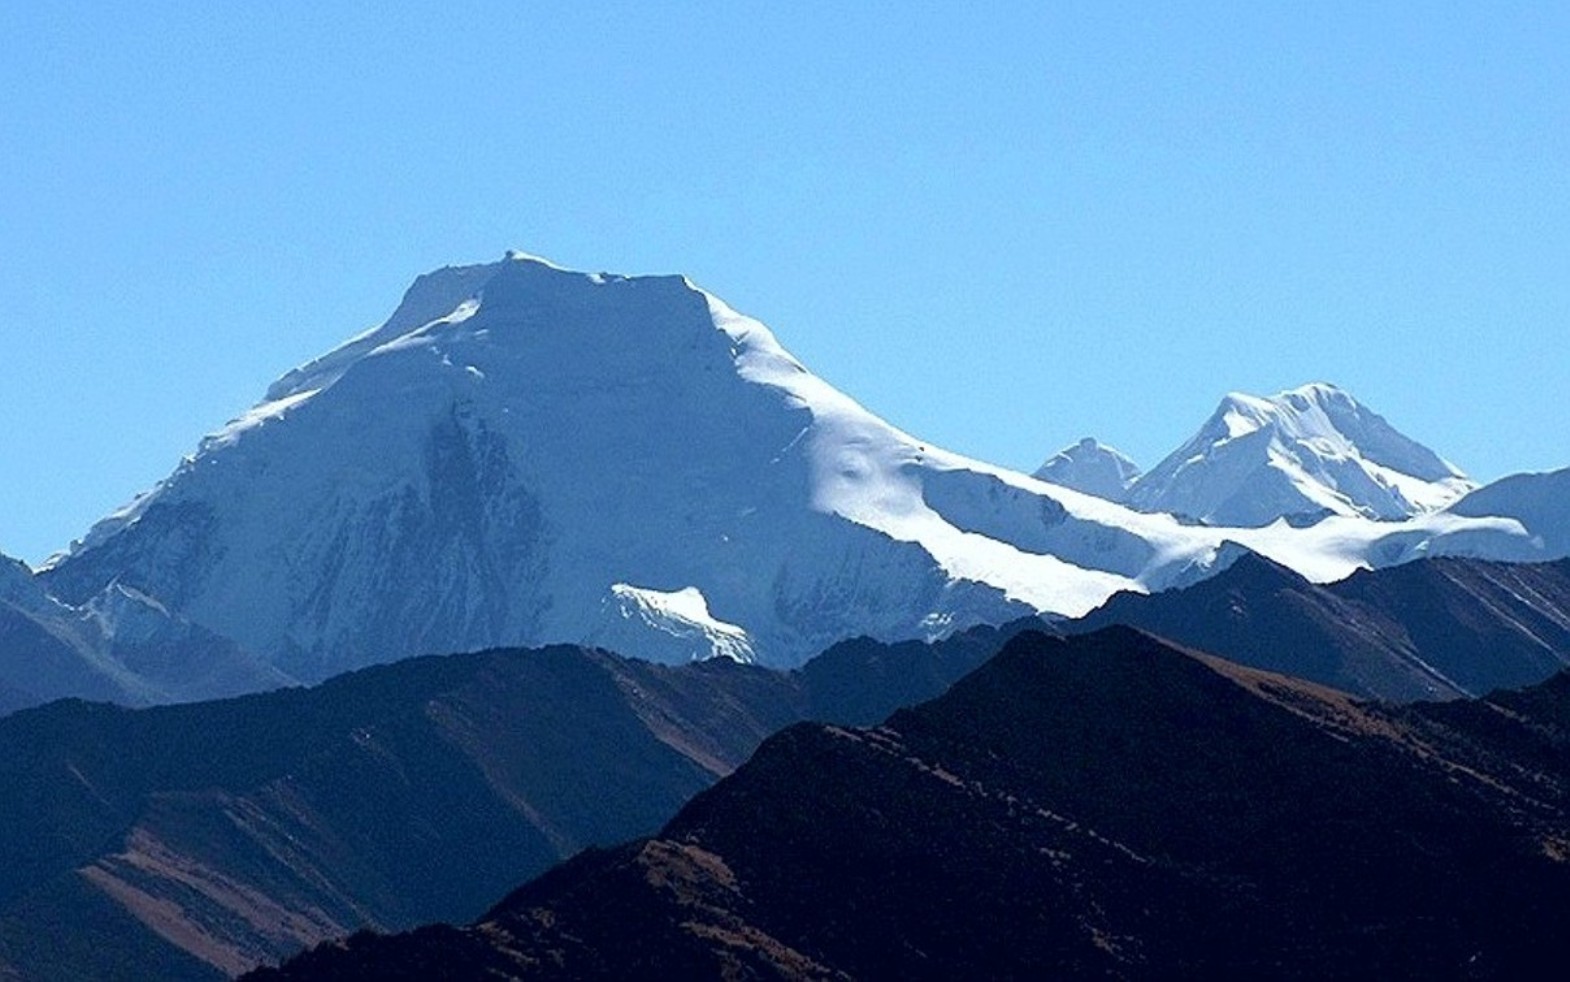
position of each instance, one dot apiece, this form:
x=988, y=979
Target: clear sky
x=1001, y=226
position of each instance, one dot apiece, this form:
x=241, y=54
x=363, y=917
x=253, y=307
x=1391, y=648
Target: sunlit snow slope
x=523, y=454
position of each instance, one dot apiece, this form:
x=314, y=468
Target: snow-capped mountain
x=1301, y=455
x=522, y=454
x=119, y=646
x=1091, y=467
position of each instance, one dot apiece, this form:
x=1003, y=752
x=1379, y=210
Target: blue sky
x=1001, y=226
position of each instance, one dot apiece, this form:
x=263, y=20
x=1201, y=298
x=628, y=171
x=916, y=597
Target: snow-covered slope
x=668, y=626
x=1300, y=455
x=1540, y=502
x=1091, y=467
x=119, y=646
x=524, y=454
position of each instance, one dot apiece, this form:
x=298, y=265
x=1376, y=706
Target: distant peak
x=1092, y=467
x=1241, y=413
x=1300, y=454
x=1234, y=401
x=1089, y=445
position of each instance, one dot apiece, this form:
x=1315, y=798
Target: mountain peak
x=1092, y=467
x=1300, y=454
x=523, y=454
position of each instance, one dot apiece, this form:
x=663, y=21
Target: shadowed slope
x=189, y=841
x=1101, y=804
x=1434, y=629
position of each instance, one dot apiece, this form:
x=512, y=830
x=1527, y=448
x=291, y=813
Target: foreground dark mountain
x=1435, y=629
x=1104, y=804
x=186, y=842
x=214, y=837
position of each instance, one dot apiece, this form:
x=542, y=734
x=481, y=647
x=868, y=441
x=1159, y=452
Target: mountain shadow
x=201, y=840
x=1434, y=629
x=1099, y=805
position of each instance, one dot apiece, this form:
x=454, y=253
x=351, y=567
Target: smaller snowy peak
x=1328, y=414
x=1299, y=455
x=1091, y=467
